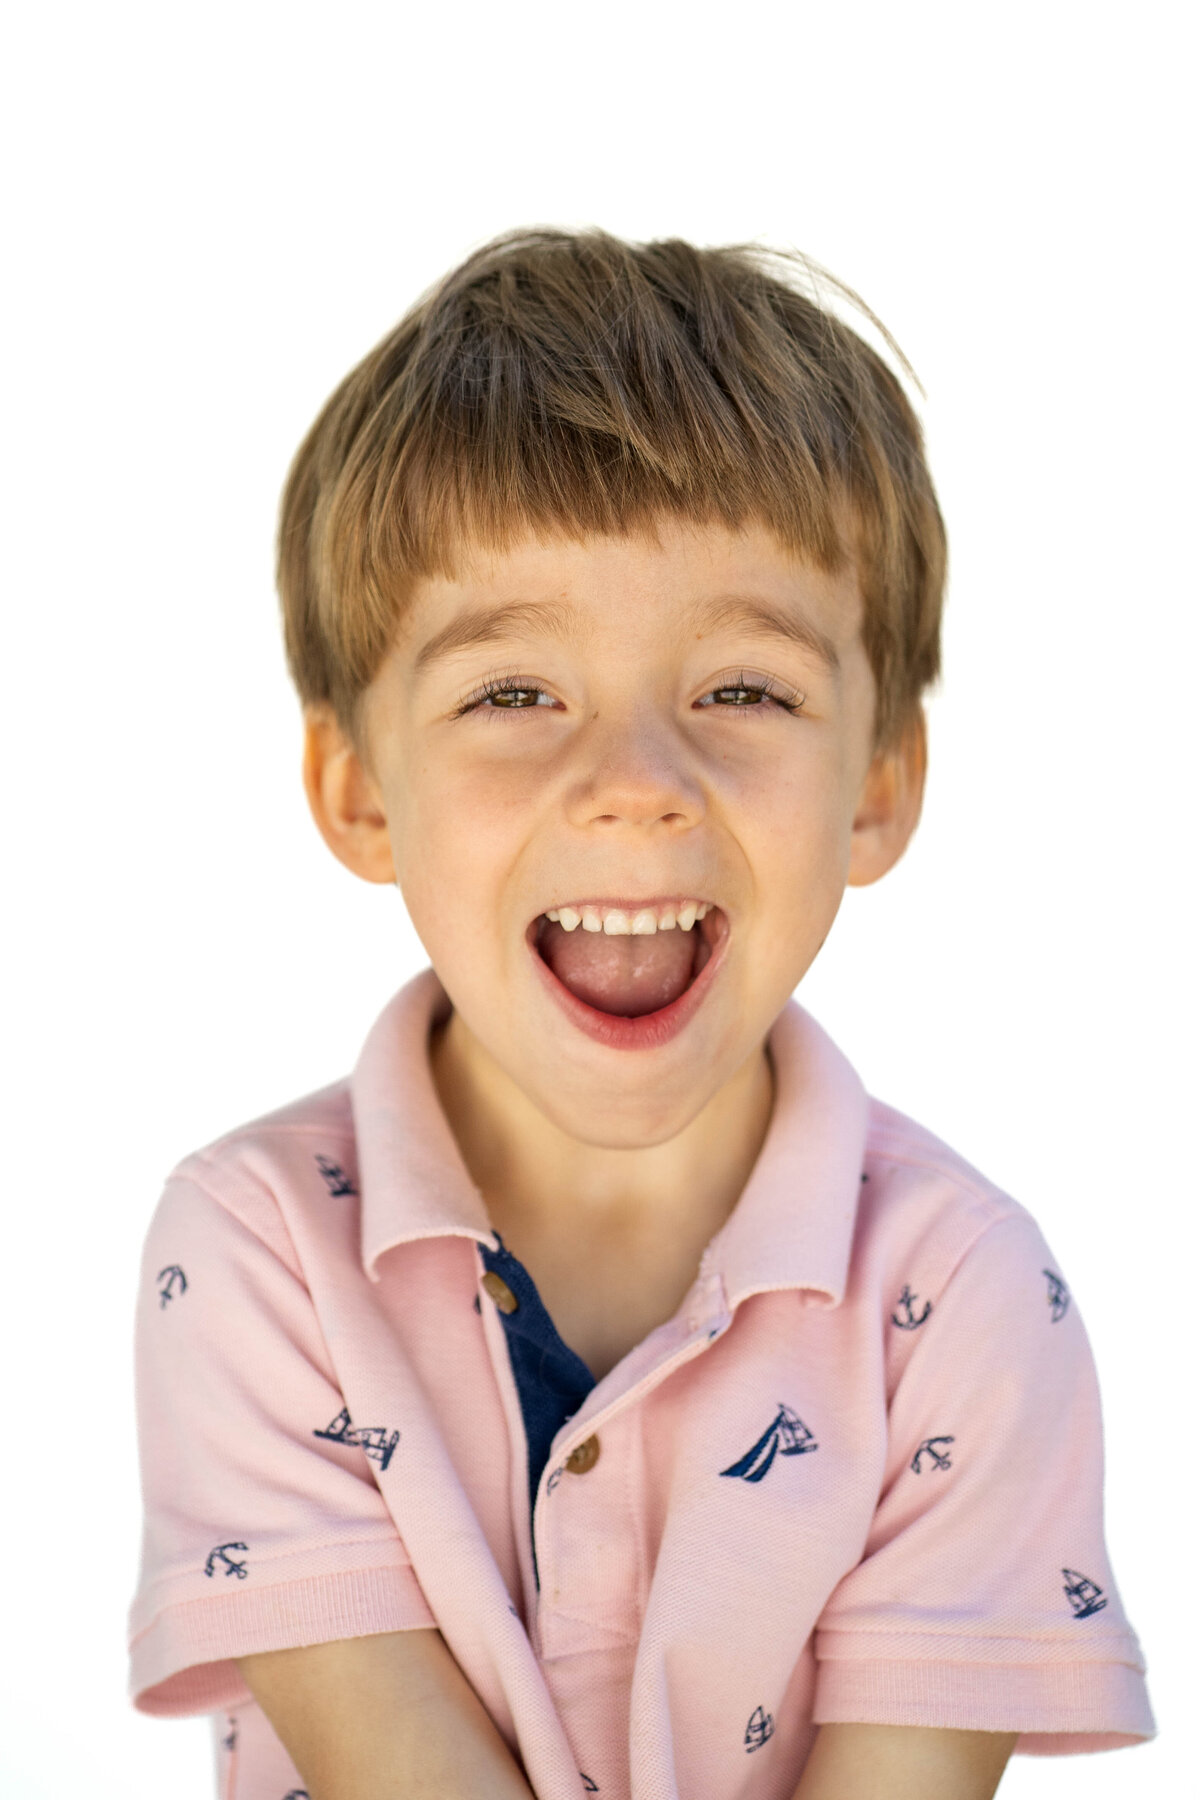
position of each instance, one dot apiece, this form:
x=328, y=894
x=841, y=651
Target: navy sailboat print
x=786, y=1435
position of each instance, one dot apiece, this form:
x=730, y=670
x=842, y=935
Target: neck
x=539, y=1181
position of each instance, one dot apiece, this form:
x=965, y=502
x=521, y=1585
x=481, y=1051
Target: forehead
x=691, y=583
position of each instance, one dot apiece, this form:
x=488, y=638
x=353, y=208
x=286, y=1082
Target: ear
x=889, y=806
x=344, y=798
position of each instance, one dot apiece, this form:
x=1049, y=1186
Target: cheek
x=454, y=836
x=807, y=800
x=801, y=826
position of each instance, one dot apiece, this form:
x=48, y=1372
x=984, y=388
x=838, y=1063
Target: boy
x=596, y=1392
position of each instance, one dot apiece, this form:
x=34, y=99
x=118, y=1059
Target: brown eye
x=751, y=694
x=501, y=691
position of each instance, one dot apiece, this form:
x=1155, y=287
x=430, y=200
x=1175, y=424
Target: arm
x=904, y=1762
x=390, y=1717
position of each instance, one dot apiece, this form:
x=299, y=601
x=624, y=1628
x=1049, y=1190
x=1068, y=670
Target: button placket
x=496, y=1338
x=582, y=1593
x=587, y=1546
x=700, y=1326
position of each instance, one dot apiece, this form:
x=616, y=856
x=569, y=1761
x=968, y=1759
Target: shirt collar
x=412, y=1179
x=793, y=1224
x=791, y=1228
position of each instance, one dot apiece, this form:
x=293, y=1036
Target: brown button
x=584, y=1456
x=500, y=1291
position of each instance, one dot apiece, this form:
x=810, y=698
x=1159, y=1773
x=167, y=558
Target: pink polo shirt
x=857, y=1476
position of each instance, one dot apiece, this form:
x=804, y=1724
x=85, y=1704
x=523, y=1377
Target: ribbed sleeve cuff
x=1058, y=1709
x=182, y=1662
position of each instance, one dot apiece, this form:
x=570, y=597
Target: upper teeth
x=618, y=923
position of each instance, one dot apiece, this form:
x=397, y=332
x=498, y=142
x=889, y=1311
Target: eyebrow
x=493, y=624
x=753, y=617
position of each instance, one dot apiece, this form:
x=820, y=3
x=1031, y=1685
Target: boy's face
x=633, y=761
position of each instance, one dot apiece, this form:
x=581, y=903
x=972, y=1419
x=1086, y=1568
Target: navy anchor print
x=1057, y=1296
x=232, y=1566
x=1085, y=1597
x=786, y=1435
x=761, y=1726
x=372, y=1440
x=589, y=1786
x=176, y=1283
x=296, y=1794
x=335, y=1177
x=908, y=1322
x=940, y=1459
x=230, y=1742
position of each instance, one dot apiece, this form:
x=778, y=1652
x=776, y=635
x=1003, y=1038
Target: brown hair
x=572, y=382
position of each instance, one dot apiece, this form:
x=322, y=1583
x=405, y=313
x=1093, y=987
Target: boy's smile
x=632, y=737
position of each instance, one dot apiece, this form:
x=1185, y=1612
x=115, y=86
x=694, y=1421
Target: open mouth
x=628, y=974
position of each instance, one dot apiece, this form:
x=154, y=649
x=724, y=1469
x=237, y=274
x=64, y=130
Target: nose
x=635, y=773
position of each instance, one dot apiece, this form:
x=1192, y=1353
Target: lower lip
x=651, y=1030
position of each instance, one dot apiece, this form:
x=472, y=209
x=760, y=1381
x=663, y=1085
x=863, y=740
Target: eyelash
x=787, y=698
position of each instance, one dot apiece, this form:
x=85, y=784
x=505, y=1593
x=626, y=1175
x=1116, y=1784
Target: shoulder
x=311, y=1136
x=266, y=1174
x=925, y=1209
x=946, y=1265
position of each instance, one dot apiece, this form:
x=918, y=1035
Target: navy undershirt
x=552, y=1381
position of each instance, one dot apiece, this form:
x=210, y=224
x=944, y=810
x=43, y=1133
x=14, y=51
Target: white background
x=213, y=212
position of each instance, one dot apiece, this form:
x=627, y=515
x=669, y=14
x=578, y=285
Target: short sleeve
x=264, y=1528
x=984, y=1599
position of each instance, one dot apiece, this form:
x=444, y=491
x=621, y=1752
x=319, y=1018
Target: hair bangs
x=575, y=385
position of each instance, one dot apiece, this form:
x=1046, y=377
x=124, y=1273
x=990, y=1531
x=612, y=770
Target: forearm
x=390, y=1717
x=904, y=1762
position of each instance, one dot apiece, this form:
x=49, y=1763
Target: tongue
x=624, y=975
